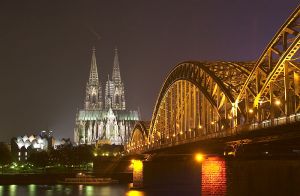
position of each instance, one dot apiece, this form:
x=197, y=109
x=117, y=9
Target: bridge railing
x=174, y=141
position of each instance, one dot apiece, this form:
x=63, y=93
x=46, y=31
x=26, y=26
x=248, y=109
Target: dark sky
x=45, y=50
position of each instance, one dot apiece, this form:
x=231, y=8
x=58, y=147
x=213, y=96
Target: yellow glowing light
x=277, y=102
x=212, y=123
x=137, y=173
x=199, y=157
x=251, y=111
x=95, y=154
x=190, y=130
x=200, y=127
x=134, y=193
x=137, y=165
x=181, y=132
x=174, y=135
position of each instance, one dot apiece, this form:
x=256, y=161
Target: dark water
x=86, y=190
x=216, y=177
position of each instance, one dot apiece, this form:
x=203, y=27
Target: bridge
x=201, y=101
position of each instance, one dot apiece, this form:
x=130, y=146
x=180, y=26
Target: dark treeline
x=5, y=155
x=66, y=155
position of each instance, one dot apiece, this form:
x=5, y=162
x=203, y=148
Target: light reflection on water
x=134, y=193
x=12, y=190
x=217, y=177
x=76, y=190
x=32, y=190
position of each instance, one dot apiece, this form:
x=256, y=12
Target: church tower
x=114, y=89
x=106, y=122
x=93, y=98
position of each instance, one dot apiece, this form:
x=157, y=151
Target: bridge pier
x=137, y=173
x=171, y=171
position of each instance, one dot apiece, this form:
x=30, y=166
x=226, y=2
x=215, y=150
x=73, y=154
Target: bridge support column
x=138, y=172
x=213, y=180
x=286, y=90
x=271, y=104
x=234, y=115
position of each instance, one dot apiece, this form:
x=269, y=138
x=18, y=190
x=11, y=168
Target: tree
x=5, y=155
x=39, y=159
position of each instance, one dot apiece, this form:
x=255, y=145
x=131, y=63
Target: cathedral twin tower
x=114, y=89
x=108, y=121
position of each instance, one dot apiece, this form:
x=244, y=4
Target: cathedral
x=105, y=121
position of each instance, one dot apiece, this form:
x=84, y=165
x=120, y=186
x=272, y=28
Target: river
x=216, y=177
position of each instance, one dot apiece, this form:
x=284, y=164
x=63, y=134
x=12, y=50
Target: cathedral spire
x=93, y=79
x=93, y=99
x=116, y=76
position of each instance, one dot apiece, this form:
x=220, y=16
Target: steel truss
x=201, y=100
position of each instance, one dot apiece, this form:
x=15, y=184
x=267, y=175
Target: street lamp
x=199, y=157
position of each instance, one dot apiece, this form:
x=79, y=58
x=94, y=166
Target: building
x=106, y=121
x=23, y=146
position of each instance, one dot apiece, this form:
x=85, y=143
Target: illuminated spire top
x=116, y=76
x=94, y=80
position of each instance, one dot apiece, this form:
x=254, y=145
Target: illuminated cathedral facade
x=104, y=118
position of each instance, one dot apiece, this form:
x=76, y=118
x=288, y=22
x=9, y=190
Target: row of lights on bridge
x=134, y=146
x=277, y=102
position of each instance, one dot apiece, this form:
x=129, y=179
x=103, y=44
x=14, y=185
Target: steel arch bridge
x=202, y=100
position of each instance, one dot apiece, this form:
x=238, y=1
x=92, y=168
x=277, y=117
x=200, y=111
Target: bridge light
x=181, y=132
x=174, y=135
x=212, y=123
x=229, y=117
x=277, y=102
x=167, y=137
x=200, y=127
x=251, y=110
x=199, y=157
x=190, y=129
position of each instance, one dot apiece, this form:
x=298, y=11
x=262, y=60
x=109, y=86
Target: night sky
x=45, y=50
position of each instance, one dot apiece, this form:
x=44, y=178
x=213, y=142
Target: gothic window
x=117, y=99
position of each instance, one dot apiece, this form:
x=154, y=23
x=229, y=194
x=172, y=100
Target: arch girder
x=204, y=79
x=282, y=47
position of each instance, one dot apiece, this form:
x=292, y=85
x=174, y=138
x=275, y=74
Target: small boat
x=82, y=178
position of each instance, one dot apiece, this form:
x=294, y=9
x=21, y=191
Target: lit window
x=25, y=153
x=19, y=153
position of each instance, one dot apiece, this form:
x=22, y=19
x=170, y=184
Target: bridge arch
x=194, y=101
x=272, y=88
x=139, y=136
x=201, y=100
